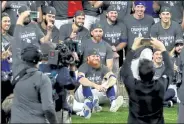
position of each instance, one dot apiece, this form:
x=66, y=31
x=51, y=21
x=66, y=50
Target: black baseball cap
x=165, y=9
x=179, y=41
x=94, y=26
x=49, y=10
x=111, y=8
x=23, y=9
x=79, y=13
x=93, y=52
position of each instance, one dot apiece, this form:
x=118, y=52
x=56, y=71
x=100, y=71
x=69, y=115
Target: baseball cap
x=23, y=9
x=79, y=13
x=179, y=41
x=92, y=52
x=94, y=26
x=49, y=10
x=165, y=9
x=111, y=8
x=140, y=3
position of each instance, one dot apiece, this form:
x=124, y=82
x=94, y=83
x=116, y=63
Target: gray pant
x=65, y=118
x=181, y=113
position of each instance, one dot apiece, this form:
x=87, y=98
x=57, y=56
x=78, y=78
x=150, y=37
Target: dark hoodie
x=145, y=98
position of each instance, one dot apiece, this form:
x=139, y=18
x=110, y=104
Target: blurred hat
x=94, y=26
x=79, y=13
x=140, y=3
x=165, y=9
x=111, y=8
x=179, y=41
x=92, y=52
x=23, y=9
x=49, y=10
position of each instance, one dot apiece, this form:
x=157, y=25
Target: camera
x=61, y=56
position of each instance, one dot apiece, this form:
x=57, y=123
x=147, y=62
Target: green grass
x=170, y=115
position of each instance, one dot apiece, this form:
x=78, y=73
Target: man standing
x=115, y=33
x=96, y=42
x=145, y=94
x=138, y=24
x=49, y=17
x=166, y=30
x=26, y=33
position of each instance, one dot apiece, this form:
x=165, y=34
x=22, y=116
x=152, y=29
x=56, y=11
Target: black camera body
x=61, y=56
x=177, y=79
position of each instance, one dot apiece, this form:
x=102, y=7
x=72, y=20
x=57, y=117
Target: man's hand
x=137, y=43
x=75, y=56
x=73, y=35
x=116, y=55
x=176, y=68
x=157, y=44
x=50, y=26
x=114, y=49
x=25, y=14
x=100, y=88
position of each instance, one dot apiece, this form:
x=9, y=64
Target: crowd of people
x=60, y=58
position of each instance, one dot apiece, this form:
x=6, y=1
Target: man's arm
x=96, y=4
x=169, y=69
x=109, y=57
x=47, y=100
x=109, y=63
x=3, y=5
x=156, y=6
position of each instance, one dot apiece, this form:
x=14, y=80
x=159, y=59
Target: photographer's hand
x=158, y=44
x=137, y=43
x=73, y=35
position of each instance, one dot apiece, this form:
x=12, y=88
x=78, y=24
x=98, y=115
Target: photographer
x=146, y=94
x=32, y=102
x=26, y=33
x=58, y=68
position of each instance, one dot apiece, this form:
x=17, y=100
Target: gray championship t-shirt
x=114, y=34
x=167, y=36
x=103, y=48
x=66, y=30
x=23, y=36
x=92, y=74
x=177, y=8
x=138, y=28
x=123, y=8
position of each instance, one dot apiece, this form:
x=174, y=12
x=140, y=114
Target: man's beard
x=27, y=21
x=112, y=21
x=94, y=65
x=46, y=22
x=80, y=26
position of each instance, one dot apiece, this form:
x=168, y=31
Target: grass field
x=170, y=115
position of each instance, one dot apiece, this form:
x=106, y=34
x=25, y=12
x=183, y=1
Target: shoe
x=70, y=101
x=96, y=107
x=170, y=104
x=116, y=104
x=88, y=105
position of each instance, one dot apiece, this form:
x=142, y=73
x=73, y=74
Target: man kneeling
x=94, y=75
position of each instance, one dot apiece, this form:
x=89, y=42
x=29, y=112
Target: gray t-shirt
x=123, y=8
x=103, y=48
x=167, y=36
x=23, y=36
x=92, y=74
x=138, y=28
x=27, y=107
x=177, y=8
x=89, y=9
x=61, y=9
x=114, y=34
x=54, y=39
x=6, y=41
x=66, y=30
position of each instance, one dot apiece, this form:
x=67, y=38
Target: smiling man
x=166, y=30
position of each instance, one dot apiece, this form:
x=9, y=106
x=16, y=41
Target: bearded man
x=96, y=82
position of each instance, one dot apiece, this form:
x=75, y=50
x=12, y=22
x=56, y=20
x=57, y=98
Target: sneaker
x=170, y=104
x=116, y=104
x=96, y=107
x=87, y=109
